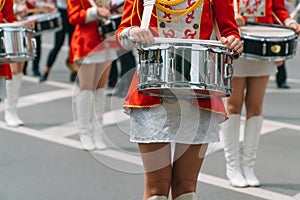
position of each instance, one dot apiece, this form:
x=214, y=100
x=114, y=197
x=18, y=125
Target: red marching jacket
x=6, y=15
x=223, y=11
x=270, y=8
x=85, y=39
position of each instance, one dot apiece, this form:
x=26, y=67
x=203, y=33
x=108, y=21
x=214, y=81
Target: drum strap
x=295, y=11
x=215, y=25
x=148, y=7
x=92, y=2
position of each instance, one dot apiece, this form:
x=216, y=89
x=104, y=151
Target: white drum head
x=265, y=31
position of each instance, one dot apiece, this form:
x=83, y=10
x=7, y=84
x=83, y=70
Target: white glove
x=132, y=36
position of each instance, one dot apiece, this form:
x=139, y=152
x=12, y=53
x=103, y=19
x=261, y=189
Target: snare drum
x=17, y=43
x=173, y=67
x=109, y=26
x=46, y=22
x=268, y=43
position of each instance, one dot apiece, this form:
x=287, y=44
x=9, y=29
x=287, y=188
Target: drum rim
x=253, y=34
x=116, y=16
x=44, y=16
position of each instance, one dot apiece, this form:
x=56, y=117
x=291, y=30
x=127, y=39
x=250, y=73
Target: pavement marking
x=68, y=129
x=295, y=91
x=252, y=191
x=110, y=118
x=64, y=130
x=114, y=117
x=297, y=196
x=42, y=97
x=284, y=91
x=290, y=80
x=268, y=127
x=129, y=158
x=49, y=82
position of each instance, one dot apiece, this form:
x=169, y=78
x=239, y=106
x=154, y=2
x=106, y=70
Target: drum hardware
x=17, y=43
x=107, y=27
x=46, y=22
x=173, y=67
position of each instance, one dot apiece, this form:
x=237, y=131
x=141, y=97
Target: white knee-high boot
x=84, y=107
x=158, y=198
x=230, y=136
x=249, y=151
x=13, y=90
x=99, y=109
x=187, y=196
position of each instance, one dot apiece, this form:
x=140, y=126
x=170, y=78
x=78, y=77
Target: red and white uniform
x=197, y=24
x=261, y=11
x=86, y=40
x=6, y=15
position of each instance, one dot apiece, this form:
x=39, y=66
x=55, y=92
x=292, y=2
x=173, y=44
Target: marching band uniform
x=87, y=48
x=48, y=5
x=13, y=89
x=13, y=85
x=155, y=120
x=6, y=15
x=240, y=164
x=182, y=29
x=67, y=28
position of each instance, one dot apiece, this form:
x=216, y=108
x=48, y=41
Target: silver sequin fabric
x=174, y=121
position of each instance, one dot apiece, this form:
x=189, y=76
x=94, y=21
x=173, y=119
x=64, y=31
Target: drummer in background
x=67, y=28
x=94, y=57
x=153, y=120
x=249, y=85
x=22, y=9
x=281, y=75
x=14, y=84
x=128, y=63
x=6, y=15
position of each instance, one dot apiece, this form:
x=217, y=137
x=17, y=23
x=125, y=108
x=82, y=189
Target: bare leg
x=186, y=167
x=17, y=68
x=234, y=103
x=157, y=165
x=256, y=88
x=103, y=70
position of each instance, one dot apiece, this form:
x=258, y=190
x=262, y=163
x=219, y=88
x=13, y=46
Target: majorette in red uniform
x=85, y=39
x=250, y=78
x=94, y=54
x=6, y=15
x=189, y=27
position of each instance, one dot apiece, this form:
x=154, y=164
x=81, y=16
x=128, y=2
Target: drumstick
x=295, y=11
x=277, y=19
x=116, y=7
x=148, y=7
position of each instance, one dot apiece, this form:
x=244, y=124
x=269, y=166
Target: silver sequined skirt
x=174, y=121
